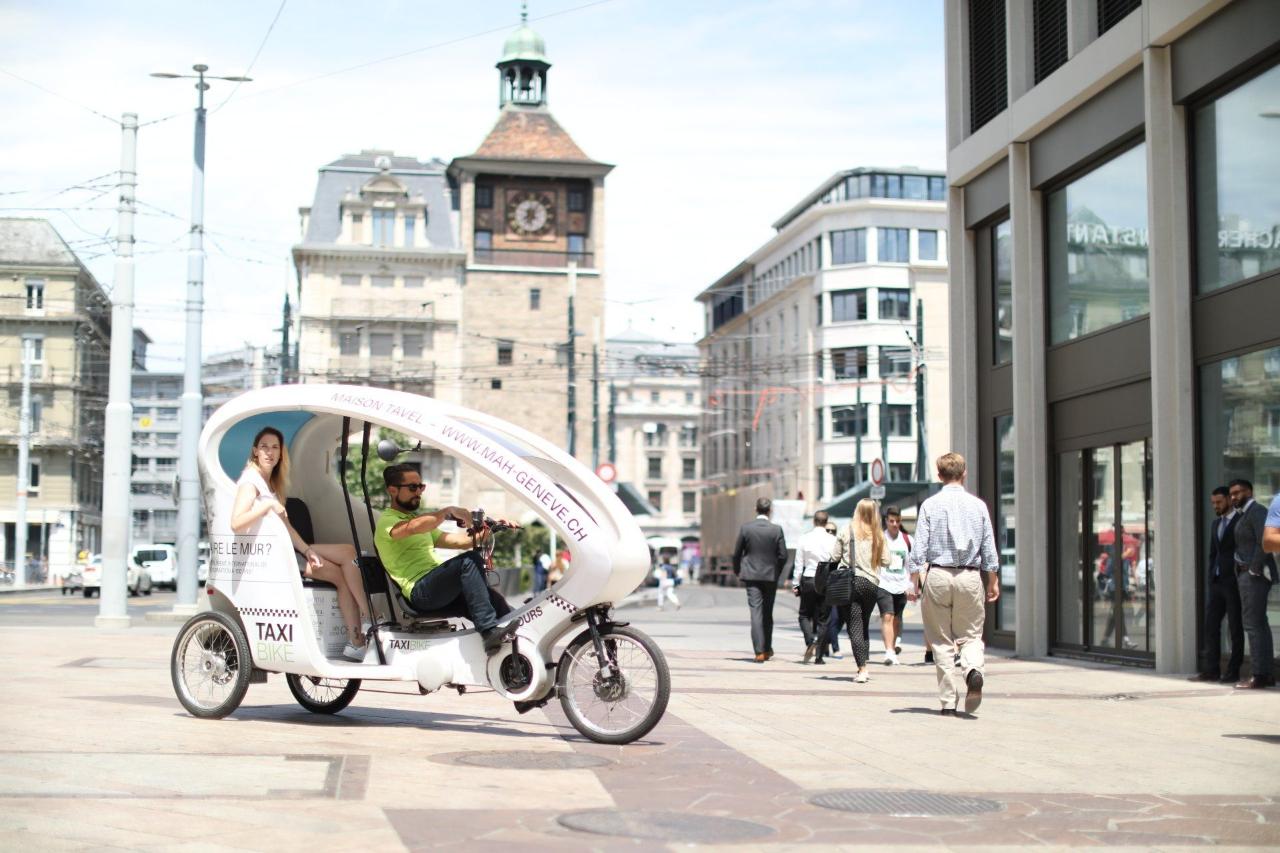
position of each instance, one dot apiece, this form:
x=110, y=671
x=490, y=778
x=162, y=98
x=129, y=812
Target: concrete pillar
x=1030, y=407
x=1173, y=412
x=962, y=260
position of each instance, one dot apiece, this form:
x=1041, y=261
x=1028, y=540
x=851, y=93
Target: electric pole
x=572, y=347
x=192, y=393
x=284, y=342
x=613, y=422
x=921, y=456
x=595, y=399
x=117, y=448
x=24, y=467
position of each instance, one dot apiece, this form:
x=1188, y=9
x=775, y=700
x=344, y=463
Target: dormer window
x=384, y=220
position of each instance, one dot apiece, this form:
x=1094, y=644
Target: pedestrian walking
x=814, y=549
x=666, y=575
x=1255, y=573
x=1222, y=595
x=861, y=547
x=835, y=615
x=952, y=560
x=758, y=560
x=541, y=566
x=894, y=581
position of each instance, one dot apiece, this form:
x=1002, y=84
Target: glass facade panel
x=1103, y=611
x=1005, y=524
x=1069, y=590
x=848, y=305
x=892, y=245
x=1240, y=434
x=1098, y=248
x=849, y=247
x=928, y=243
x=1002, y=287
x=895, y=304
x=1236, y=175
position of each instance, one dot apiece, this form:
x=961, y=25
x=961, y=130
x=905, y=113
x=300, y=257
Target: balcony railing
x=534, y=258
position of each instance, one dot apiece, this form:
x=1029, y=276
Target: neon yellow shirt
x=409, y=559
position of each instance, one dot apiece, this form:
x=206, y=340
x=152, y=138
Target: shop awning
x=904, y=494
x=636, y=503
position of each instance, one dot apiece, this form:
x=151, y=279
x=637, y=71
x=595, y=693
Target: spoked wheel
x=621, y=698
x=322, y=695
x=211, y=665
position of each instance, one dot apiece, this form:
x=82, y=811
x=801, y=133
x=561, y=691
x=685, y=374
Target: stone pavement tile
x=405, y=782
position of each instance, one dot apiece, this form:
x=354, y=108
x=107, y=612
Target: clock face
x=531, y=214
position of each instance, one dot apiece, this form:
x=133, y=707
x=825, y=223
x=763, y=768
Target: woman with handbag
x=862, y=551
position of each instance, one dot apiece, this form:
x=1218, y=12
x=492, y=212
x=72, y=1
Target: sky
x=719, y=115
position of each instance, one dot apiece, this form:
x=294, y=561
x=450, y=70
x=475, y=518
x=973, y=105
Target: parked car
x=138, y=581
x=161, y=561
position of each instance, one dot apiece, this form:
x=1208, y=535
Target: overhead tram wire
x=60, y=96
x=257, y=53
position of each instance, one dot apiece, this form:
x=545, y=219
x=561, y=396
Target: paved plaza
x=98, y=754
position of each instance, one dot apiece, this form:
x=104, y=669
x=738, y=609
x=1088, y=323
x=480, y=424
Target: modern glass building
x=1115, y=302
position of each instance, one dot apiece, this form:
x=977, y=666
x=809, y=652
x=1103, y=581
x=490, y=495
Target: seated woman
x=260, y=491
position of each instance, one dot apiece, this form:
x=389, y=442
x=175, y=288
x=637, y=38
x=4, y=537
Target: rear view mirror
x=388, y=450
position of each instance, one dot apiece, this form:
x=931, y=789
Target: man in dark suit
x=1253, y=565
x=758, y=560
x=1222, y=594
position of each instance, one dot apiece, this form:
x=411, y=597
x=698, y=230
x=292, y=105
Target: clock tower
x=531, y=217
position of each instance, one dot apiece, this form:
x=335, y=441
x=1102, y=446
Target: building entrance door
x=1105, y=565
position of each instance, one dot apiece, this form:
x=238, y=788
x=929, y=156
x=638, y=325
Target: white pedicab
x=611, y=679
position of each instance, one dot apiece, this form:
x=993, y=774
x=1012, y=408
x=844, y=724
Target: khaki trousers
x=953, y=607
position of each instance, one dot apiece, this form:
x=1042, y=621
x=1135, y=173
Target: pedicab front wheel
x=211, y=665
x=322, y=695
x=618, y=699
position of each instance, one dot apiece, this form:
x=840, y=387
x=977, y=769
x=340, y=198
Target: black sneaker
x=819, y=662
x=948, y=712
x=493, y=638
x=973, y=698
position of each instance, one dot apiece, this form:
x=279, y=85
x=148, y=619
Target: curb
x=28, y=590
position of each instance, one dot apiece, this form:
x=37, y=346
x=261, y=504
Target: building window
x=37, y=412
x=818, y=423
x=849, y=247
x=495, y=384
x=1112, y=12
x=988, y=69
x=1237, y=222
x=848, y=305
x=848, y=421
x=843, y=478
x=535, y=299
x=413, y=281
x=817, y=309
x=655, y=500
x=655, y=397
x=357, y=228
x=1005, y=523
x=381, y=344
x=410, y=219
x=897, y=420
x=688, y=436
x=411, y=345
x=1049, y=27
x=688, y=398
x=892, y=245
x=655, y=435
x=382, y=280
x=351, y=279
x=1002, y=291
x=689, y=502
x=576, y=201
x=1098, y=248
x=35, y=294
x=505, y=350
x=849, y=363
x=484, y=197
x=33, y=478
x=895, y=362
x=895, y=304
x=166, y=464
x=928, y=245
x=577, y=247
x=900, y=472
x=655, y=468
x=937, y=189
x=688, y=468
x=384, y=222
x=562, y=355
x=484, y=240
x=348, y=342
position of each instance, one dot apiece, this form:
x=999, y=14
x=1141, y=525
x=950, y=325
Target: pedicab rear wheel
x=322, y=695
x=617, y=700
x=211, y=665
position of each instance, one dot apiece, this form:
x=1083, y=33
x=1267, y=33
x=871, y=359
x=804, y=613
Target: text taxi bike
x=611, y=679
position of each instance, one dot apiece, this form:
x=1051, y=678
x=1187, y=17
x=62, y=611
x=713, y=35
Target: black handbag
x=820, y=577
x=839, y=591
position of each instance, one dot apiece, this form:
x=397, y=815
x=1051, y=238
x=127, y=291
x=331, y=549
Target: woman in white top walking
x=861, y=545
x=260, y=492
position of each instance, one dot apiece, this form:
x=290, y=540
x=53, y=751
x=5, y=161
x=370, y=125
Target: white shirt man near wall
x=815, y=548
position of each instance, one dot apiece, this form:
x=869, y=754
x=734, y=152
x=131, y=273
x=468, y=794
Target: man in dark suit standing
x=758, y=560
x=1222, y=594
x=1252, y=567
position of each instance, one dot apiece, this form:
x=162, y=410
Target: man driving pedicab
x=406, y=540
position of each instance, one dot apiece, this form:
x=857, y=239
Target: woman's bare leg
x=330, y=573
x=343, y=556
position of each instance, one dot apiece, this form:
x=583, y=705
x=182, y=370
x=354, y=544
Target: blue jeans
x=460, y=577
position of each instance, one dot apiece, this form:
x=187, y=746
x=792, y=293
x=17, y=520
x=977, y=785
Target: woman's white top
x=262, y=489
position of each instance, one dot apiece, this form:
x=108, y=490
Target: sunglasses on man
x=413, y=487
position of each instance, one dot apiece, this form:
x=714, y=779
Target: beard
x=410, y=505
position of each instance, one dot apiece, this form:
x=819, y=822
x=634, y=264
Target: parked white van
x=160, y=561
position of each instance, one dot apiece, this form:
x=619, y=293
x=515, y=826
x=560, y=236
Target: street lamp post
x=192, y=393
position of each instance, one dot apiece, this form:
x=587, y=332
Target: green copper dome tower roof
x=524, y=44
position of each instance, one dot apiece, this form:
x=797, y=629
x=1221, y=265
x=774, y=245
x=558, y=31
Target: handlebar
x=480, y=521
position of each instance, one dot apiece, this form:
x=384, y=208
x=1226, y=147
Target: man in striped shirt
x=955, y=566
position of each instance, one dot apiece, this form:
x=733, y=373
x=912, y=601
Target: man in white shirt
x=894, y=580
x=955, y=553
x=815, y=548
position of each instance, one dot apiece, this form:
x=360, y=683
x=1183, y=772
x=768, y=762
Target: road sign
x=877, y=472
x=877, y=493
x=607, y=472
